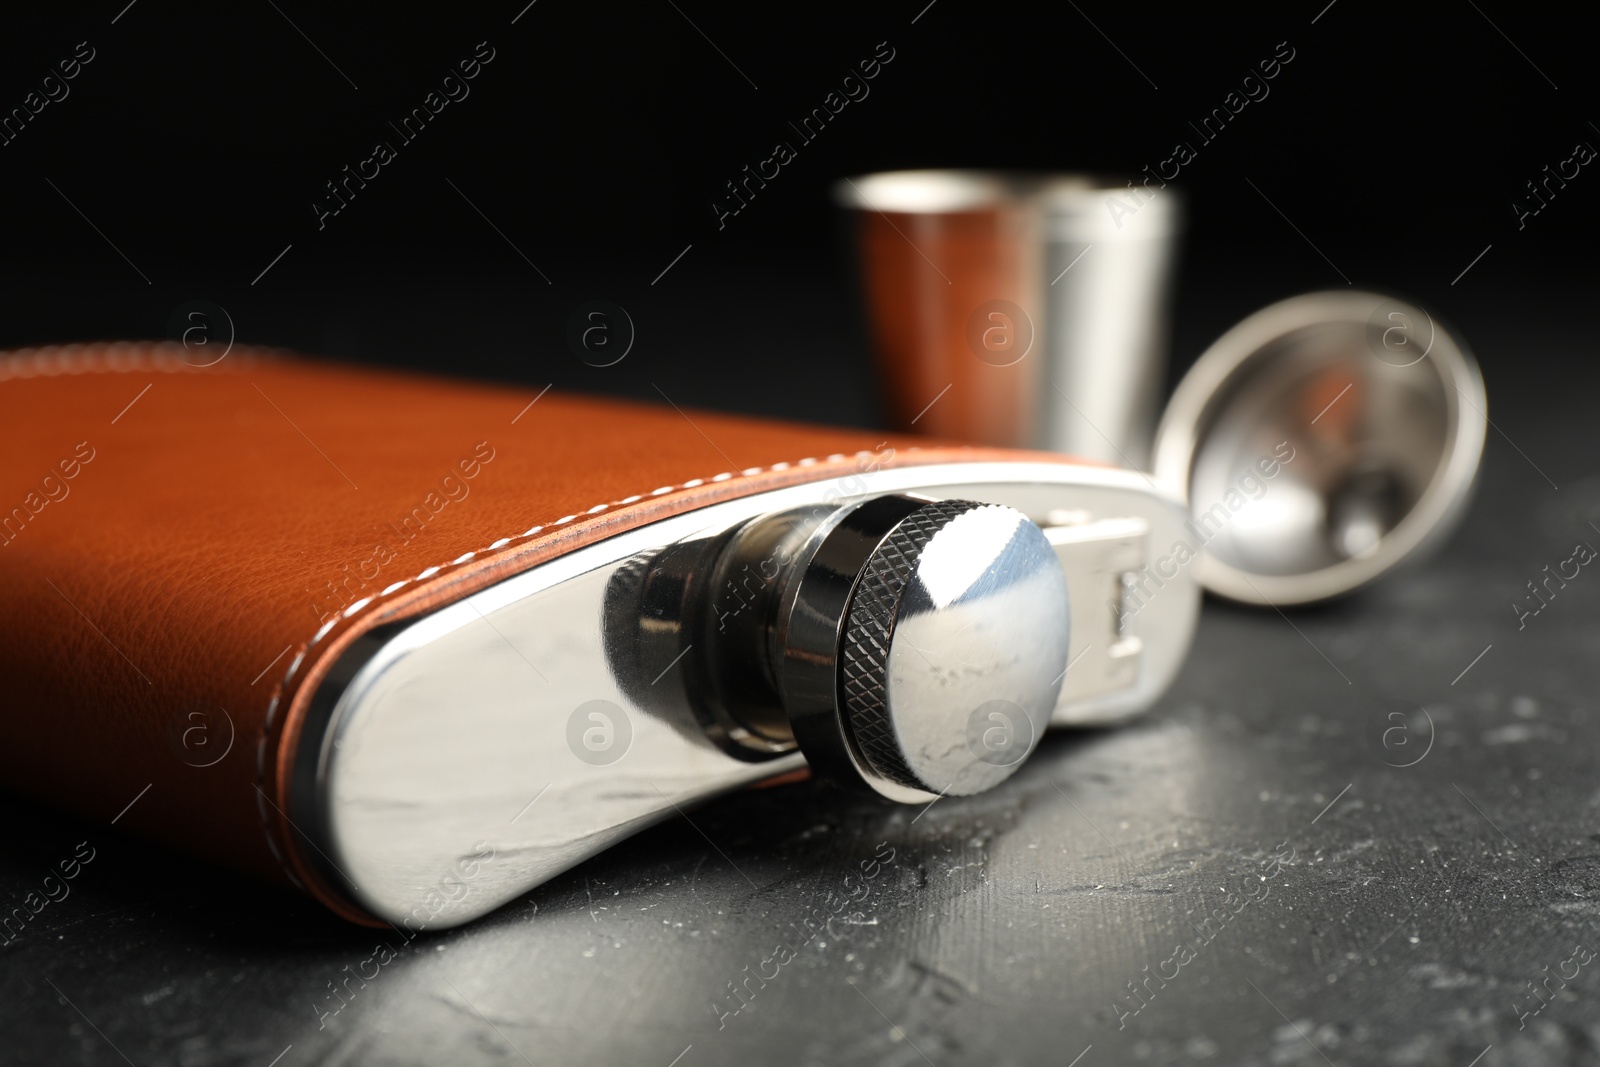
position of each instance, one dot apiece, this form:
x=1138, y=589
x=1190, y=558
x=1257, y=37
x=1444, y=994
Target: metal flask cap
x=1320, y=443
x=924, y=645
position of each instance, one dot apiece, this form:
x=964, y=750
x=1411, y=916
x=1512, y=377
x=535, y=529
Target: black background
x=598, y=137
x=1421, y=899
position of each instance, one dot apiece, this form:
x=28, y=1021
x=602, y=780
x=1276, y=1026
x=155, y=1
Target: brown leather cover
x=175, y=538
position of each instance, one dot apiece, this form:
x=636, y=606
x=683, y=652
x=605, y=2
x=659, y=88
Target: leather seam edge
x=119, y=357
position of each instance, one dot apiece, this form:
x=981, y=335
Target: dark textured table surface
x=1371, y=912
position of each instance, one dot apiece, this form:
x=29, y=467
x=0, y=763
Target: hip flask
x=416, y=646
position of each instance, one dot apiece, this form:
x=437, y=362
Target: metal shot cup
x=1017, y=310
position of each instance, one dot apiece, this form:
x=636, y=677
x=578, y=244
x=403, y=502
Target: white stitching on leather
x=120, y=357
